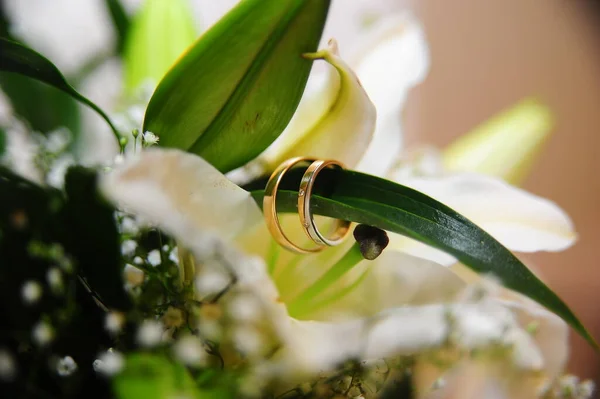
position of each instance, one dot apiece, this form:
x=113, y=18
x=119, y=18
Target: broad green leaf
x=153, y=376
x=377, y=202
x=236, y=89
x=504, y=146
x=14, y=57
x=159, y=33
x=120, y=21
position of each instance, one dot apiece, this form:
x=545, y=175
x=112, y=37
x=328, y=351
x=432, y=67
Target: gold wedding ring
x=306, y=217
x=270, y=207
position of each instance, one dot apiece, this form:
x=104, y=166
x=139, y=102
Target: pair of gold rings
x=307, y=220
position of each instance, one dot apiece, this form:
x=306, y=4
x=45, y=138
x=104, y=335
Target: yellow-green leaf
x=236, y=89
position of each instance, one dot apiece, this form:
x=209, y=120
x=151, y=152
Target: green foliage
x=120, y=21
x=152, y=376
x=377, y=202
x=35, y=240
x=159, y=33
x=14, y=57
x=235, y=90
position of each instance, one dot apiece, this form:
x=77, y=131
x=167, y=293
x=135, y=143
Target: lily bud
x=504, y=146
x=160, y=32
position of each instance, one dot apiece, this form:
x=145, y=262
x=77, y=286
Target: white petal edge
x=336, y=122
x=394, y=58
x=179, y=192
x=521, y=221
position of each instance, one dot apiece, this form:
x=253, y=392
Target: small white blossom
x=133, y=275
x=154, y=257
x=129, y=226
x=8, y=367
x=138, y=260
x=66, y=366
x=190, y=351
x=210, y=283
x=31, y=291
x=248, y=340
x=149, y=333
x=109, y=363
x=128, y=247
x=54, y=278
x=150, y=139
x=42, y=333
x=114, y=322
x=244, y=308
x=586, y=389
x=174, y=255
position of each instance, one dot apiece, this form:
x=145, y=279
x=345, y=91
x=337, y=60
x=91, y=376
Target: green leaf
x=120, y=21
x=159, y=33
x=377, y=202
x=236, y=89
x=152, y=376
x=44, y=107
x=14, y=57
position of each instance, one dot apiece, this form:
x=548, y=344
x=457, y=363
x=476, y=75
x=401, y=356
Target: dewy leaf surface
x=377, y=202
x=237, y=87
x=14, y=57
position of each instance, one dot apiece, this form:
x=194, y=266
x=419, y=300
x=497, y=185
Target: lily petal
x=395, y=58
x=343, y=127
x=521, y=221
x=393, y=279
x=179, y=191
x=405, y=331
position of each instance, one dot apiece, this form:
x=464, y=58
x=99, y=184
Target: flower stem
x=342, y=266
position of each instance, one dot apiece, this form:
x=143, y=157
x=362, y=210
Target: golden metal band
x=304, y=211
x=270, y=208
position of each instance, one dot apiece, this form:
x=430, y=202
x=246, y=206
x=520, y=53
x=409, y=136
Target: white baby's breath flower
x=189, y=351
x=113, y=322
x=109, y=363
x=174, y=255
x=66, y=366
x=42, y=333
x=149, y=139
x=154, y=257
x=55, y=280
x=128, y=247
x=133, y=276
x=31, y=291
x=244, y=308
x=138, y=260
x=150, y=333
x=211, y=283
x=8, y=366
x=129, y=226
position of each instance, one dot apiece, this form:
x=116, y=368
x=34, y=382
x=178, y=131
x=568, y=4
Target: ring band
x=306, y=217
x=270, y=208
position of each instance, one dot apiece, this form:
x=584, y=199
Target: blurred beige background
x=487, y=55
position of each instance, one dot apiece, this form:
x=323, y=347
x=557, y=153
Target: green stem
x=342, y=266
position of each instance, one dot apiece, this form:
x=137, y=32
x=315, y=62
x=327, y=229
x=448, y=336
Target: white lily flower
x=395, y=305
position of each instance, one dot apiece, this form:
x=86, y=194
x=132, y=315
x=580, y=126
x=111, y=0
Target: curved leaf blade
x=14, y=57
x=378, y=202
x=236, y=89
